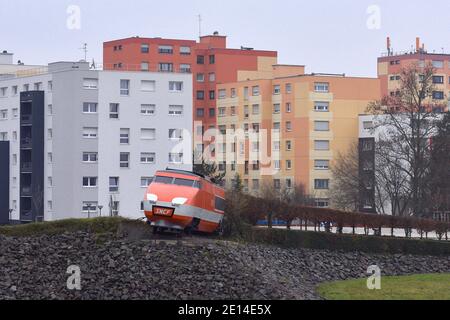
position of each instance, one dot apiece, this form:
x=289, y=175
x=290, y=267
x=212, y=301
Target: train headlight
x=152, y=197
x=179, y=201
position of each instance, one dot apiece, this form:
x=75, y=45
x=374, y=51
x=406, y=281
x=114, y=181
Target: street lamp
x=89, y=210
x=100, y=208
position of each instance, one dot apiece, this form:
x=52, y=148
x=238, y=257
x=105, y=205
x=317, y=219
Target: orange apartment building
x=209, y=61
x=391, y=64
x=308, y=118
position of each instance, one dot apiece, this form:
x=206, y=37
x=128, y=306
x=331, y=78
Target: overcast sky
x=327, y=36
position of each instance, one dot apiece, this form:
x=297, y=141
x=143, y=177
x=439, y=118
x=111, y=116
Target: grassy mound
x=417, y=287
x=95, y=225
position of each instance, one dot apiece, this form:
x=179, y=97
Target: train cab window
x=165, y=180
x=197, y=184
x=220, y=204
x=183, y=182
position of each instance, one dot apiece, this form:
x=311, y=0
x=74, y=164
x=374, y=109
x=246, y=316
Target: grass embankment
x=417, y=287
x=95, y=225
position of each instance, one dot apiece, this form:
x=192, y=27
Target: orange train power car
x=178, y=201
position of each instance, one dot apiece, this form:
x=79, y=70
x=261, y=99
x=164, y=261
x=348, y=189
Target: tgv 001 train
x=178, y=201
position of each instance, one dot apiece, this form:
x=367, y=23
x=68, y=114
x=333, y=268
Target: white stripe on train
x=187, y=211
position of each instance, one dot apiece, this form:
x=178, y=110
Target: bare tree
x=406, y=120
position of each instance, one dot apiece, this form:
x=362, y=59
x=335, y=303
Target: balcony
x=26, y=192
x=26, y=143
x=26, y=167
x=26, y=119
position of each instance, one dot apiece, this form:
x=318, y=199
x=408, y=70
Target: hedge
x=347, y=243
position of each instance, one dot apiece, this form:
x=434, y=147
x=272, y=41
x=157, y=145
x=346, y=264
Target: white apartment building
x=79, y=139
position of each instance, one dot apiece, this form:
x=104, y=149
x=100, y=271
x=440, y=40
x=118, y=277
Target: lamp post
x=100, y=208
x=89, y=210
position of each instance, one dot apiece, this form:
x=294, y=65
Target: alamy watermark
x=374, y=281
x=73, y=21
x=374, y=19
x=74, y=280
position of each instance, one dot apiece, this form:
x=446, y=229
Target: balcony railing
x=26, y=191
x=26, y=119
x=26, y=143
x=26, y=167
x=150, y=67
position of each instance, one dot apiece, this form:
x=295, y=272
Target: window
x=200, y=59
x=233, y=93
x=165, y=67
x=124, y=159
x=321, y=106
x=176, y=134
x=90, y=157
x=288, y=165
x=276, y=108
x=185, y=51
x=124, y=136
x=200, y=77
x=322, y=145
x=276, y=89
x=288, y=88
x=148, y=85
x=175, y=110
x=222, y=93
x=148, y=134
x=3, y=136
x=200, y=95
x=321, y=87
x=148, y=158
x=50, y=109
x=185, y=68
x=175, y=86
x=220, y=204
x=255, y=109
x=438, y=79
x=4, y=114
x=438, y=95
x=277, y=164
x=288, y=126
x=38, y=86
x=114, y=111
x=322, y=203
x=212, y=112
x=200, y=112
x=14, y=159
x=15, y=90
x=90, y=83
x=165, y=49
x=146, y=181
x=277, y=184
x=321, y=126
x=145, y=48
x=50, y=181
x=148, y=109
x=255, y=91
x=288, y=183
x=222, y=112
x=14, y=135
x=288, y=107
x=212, y=59
x=255, y=184
x=3, y=91
x=246, y=112
x=113, y=184
x=276, y=126
x=321, y=184
x=175, y=158
x=255, y=127
x=89, y=182
x=255, y=146
x=26, y=87
x=49, y=134
x=89, y=107
x=212, y=95
x=232, y=111
x=50, y=157
x=124, y=87
x=145, y=66
x=368, y=125
x=322, y=164
x=90, y=133
x=276, y=145
x=438, y=64
x=246, y=93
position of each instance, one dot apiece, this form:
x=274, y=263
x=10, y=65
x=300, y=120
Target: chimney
x=6, y=57
x=389, y=45
x=417, y=44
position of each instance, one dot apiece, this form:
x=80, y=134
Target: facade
x=391, y=64
x=209, y=61
x=80, y=138
x=307, y=119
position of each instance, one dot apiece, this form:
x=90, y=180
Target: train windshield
x=178, y=182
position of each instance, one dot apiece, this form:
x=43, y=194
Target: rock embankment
x=35, y=268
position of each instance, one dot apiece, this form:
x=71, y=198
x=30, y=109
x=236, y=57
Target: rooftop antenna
x=200, y=25
x=85, y=49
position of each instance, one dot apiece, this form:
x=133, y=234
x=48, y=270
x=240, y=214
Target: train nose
x=176, y=202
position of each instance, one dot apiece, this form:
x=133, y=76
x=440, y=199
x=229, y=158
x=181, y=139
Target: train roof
x=190, y=173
